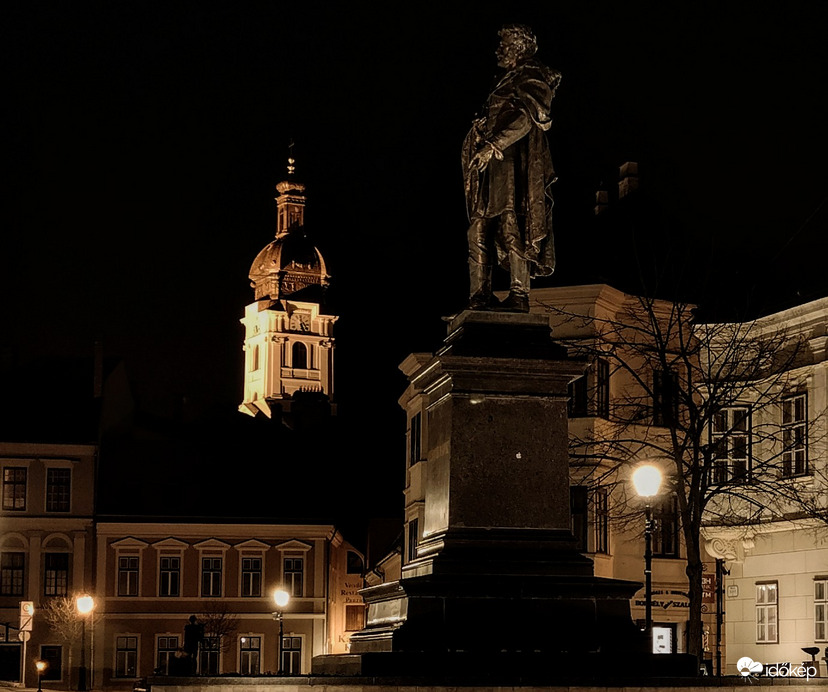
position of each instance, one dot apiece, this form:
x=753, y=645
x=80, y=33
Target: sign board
x=24, y=635
x=26, y=615
x=708, y=585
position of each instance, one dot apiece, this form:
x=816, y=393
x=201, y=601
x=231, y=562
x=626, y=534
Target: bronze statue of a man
x=508, y=170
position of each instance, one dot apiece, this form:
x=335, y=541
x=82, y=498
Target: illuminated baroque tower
x=288, y=340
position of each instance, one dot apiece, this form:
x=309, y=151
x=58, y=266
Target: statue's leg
x=481, y=256
x=518, y=298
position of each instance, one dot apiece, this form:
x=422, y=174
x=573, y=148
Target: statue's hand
x=481, y=159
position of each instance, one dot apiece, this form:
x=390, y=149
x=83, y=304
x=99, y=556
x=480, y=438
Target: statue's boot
x=518, y=298
x=480, y=287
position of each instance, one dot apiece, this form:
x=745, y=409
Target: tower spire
x=291, y=167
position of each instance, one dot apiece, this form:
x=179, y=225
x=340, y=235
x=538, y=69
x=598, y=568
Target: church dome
x=290, y=263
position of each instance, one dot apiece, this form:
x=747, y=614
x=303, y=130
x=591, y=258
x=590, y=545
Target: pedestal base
x=493, y=613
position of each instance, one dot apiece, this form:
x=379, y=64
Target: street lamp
x=41, y=666
x=647, y=481
x=281, y=598
x=85, y=605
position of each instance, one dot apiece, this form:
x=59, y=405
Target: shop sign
x=708, y=585
x=666, y=599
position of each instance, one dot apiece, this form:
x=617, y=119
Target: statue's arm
x=513, y=124
x=529, y=105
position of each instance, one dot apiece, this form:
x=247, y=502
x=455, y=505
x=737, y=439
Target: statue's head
x=517, y=45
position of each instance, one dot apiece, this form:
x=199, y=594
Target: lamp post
x=85, y=605
x=281, y=598
x=647, y=481
x=41, y=666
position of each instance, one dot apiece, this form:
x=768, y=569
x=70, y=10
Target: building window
x=602, y=388
x=354, y=618
x=413, y=538
x=600, y=504
x=53, y=655
x=126, y=657
x=128, y=576
x=579, y=510
x=353, y=563
x=821, y=610
x=292, y=655
x=415, y=437
x=211, y=576
x=58, y=489
x=167, y=648
x=666, y=527
x=665, y=397
x=169, y=575
x=731, y=445
x=208, y=661
x=795, y=435
x=14, y=488
x=253, y=362
x=56, y=574
x=295, y=576
x=11, y=574
x=251, y=576
x=577, y=405
x=250, y=649
x=300, y=356
x=767, y=613
x=589, y=394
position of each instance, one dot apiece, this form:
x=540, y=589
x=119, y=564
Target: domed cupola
x=290, y=263
x=288, y=335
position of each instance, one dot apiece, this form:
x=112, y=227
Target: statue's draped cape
x=515, y=123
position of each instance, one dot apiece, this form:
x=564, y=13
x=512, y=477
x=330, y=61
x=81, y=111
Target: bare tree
x=61, y=614
x=220, y=624
x=702, y=400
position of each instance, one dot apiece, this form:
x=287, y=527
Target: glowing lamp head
x=281, y=597
x=647, y=480
x=41, y=666
x=86, y=604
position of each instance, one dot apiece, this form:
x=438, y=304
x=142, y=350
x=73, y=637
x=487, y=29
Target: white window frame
x=16, y=465
x=48, y=552
x=283, y=651
x=170, y=652
x=212, y=548
x=724, y=436
x=116, y=650
x=260, y=649
x=790, y=425
x=201, y=559
x=204, y=651
x=243, y=573
x=125, y=556
x=821, y=609
x=170, y=556
x=294, y=549
x=767, y=612
x=58, y=466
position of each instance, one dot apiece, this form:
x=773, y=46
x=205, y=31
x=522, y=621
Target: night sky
x=144, y=139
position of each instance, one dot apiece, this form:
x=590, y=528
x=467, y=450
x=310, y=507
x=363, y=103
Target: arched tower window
x=300, y=355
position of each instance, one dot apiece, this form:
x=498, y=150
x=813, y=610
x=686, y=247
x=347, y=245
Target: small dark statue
x=508, y=170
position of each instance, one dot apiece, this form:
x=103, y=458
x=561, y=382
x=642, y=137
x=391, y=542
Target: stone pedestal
x=496, y=574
